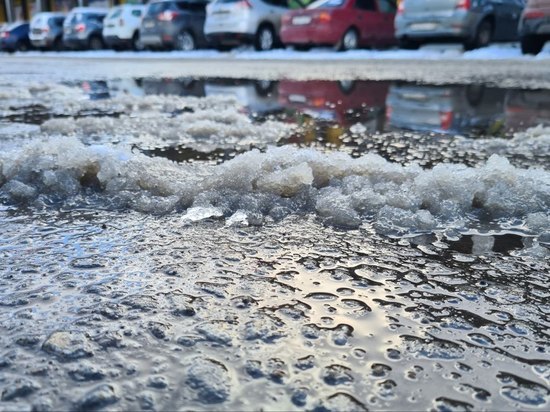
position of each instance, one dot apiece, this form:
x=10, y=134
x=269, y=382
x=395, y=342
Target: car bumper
x=75, y=42
x=230, y=39
x=7, y=45
x=44, y=42
x=309, y=35
x=458, y=25
x=540, y=26
x=115, y=41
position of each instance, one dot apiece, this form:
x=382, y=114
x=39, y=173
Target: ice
x=343, y=190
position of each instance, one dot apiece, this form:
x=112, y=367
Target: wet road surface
x=242, y=244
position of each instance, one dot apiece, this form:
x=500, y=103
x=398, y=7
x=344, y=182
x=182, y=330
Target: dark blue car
x=15, y=37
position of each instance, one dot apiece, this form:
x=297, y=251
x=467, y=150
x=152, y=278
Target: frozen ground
x=395, y=271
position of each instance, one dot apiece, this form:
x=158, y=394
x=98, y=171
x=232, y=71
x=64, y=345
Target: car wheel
x=95, y=43
x=350, y=41
x=22, y=47
x=185, y=41
x=264, y=88
x=346, y=86
x=137, y=45
x=265, y=39
x=532, y=44
x=408, y=44
x=482, y=37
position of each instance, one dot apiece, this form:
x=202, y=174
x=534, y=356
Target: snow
x=503, y=51
x=341, y=190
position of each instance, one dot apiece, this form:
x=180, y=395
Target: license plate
x=297, y=98
x=423, y=26
x=148, y=24
x=301, y=20
x=544, y=28
x=110, y=26
x=67, y=31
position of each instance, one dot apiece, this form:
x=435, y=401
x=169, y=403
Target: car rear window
x=190, y=6
x=115, y=13
x=326, y=4
x=37, y=21
x=158, y=7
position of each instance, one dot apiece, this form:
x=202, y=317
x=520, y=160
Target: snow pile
x=202, y=130
x=505, y=51
x=342, y=190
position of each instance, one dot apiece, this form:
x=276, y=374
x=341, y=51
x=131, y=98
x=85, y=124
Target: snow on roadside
x=504, y=51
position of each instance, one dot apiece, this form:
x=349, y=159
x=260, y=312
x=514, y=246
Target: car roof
x=89, y=10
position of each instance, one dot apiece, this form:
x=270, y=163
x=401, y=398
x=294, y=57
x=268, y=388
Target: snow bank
x=503, y=51
x=341, y=190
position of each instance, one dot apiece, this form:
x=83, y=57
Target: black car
x=174, y=25
x=15, y=37
x=82, y=28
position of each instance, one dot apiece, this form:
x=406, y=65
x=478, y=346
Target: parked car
x=534, y=26
x=472, y=109
x=475, y=23
x=46, y=31
x=174, y=24
x=121, y=26
x=343, y=24
x=230, y=23
x=82, y=29
x=15, y=37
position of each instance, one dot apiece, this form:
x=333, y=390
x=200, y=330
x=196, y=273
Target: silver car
x=475, y=23
x=230, y=23
x=46, y=30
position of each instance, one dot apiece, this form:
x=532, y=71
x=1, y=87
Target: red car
x=342, y=102
x=344, y=24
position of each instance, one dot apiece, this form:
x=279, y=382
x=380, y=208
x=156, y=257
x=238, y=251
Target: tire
x=346, y=86
x=408, y=44
x=185, y=41
x=95, y=43
x=532, y=44
x=349, y=41
x=482, y=37
x=264, y=88
x=137, y=45
x=22, y=47
x=265, y=38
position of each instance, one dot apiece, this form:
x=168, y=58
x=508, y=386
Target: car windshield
x=326, y=4
x=38, y=20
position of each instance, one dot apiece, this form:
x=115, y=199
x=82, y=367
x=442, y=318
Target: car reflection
x=96, y=90
x=183, y=86
x=527, y=108
x=326, y=109
x=472, y=109
x=257, y=97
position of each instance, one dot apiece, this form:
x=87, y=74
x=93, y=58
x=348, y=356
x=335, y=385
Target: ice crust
x=343, y=190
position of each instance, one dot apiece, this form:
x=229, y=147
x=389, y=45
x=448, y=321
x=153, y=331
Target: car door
x=367, y=21
x=387, y=10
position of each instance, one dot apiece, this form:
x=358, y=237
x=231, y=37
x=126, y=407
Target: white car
x=234, y=22
x=121, y=26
